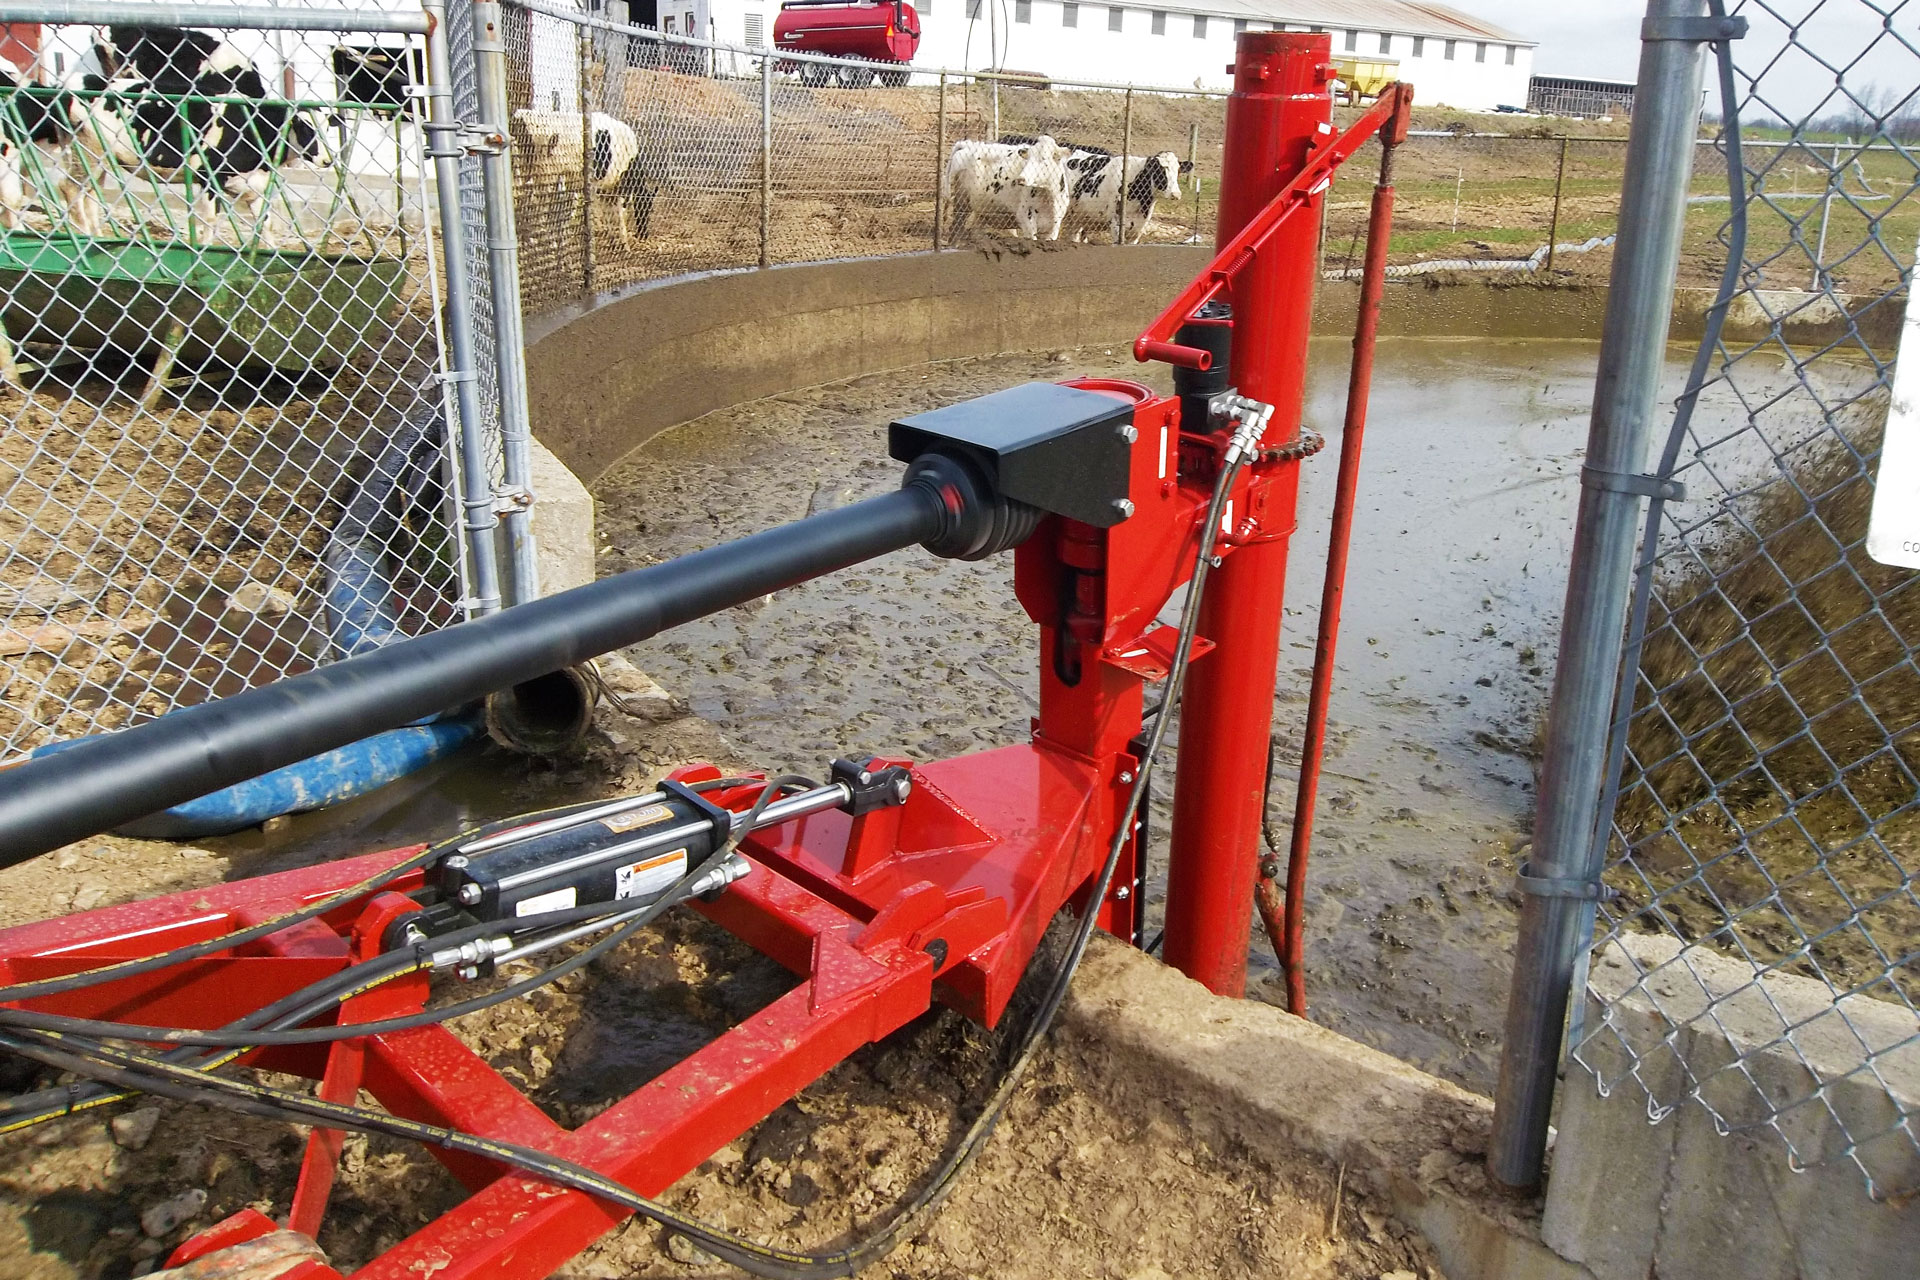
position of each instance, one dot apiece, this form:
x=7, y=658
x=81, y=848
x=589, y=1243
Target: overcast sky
x=1601, y=38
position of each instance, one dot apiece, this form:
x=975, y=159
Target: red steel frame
x=943, y=898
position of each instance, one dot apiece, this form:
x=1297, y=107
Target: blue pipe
x=360, y=617
x=313, y=783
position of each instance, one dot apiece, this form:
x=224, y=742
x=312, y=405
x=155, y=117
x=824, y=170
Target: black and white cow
x=1093, y=179
x=547, y=151
x=1027, y=180
x=1091, y=176
x=151, y=113
x=28, y=115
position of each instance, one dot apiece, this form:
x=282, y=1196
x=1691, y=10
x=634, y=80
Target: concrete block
x=1784, y=1064
x=562, y=523
x=1272, y=1081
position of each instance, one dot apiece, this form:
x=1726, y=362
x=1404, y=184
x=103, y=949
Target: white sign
x=1893, y=528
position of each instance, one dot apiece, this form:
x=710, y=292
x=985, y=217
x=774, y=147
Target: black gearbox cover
x=1050, y=446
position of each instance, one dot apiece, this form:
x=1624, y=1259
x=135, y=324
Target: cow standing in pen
x=1027, y=180
x=179, y=105
x=25, y=118
x=547, y=150
x=1093, y=178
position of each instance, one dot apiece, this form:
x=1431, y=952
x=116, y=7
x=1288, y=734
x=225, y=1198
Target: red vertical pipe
x=1280, y=106
x=1290, y=943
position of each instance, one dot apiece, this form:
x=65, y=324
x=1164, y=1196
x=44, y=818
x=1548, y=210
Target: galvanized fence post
x=1193, y=173
x=766, y=160
x=476, y=484
x=584, y=46
x=1126, y=149
x=1562, y=876
x=1826, y=212
x=940, y=166
x=503, y=270
x=1559, y=182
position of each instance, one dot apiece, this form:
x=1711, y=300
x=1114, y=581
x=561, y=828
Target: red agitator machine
x=885, y=886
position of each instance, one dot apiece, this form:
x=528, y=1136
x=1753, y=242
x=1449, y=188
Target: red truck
x=885, y=33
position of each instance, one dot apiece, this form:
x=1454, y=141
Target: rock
x=89, y=895
x=1469, y=1141
x=631, y=691
x=159, y=1220
x=134, y=1129
x=259, y=599
x=686, y=1252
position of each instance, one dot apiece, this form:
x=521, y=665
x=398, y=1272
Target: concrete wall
x=602, y=383
x=1679, y=1199
x=605, y=380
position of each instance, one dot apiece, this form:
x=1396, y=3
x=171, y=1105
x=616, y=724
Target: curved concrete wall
x=603, y=380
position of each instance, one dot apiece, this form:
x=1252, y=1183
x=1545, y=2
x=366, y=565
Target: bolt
x=1124, y=506
x=413, y=935
x=470, y=894
x=456, y=862
x=902, y=787
x=1126, y=775
x=1122, y=893
x=1129, y=434
x=469, y=971
x=866, y=779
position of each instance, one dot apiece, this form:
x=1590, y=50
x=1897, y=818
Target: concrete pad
x=1275, y=1082
x=1778, y=1058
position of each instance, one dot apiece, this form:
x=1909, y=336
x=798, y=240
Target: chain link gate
x=1758, y=948
x=227, y=455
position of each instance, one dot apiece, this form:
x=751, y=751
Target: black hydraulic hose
x=103, y=783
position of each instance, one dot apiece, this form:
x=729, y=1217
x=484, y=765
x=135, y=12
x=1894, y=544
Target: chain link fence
x=640, y=155
x=1765, y=829
x=224, y=444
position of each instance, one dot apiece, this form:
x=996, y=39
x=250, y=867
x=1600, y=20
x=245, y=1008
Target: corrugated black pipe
x=98, y=785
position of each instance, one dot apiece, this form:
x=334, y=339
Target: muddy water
x=1458, y=569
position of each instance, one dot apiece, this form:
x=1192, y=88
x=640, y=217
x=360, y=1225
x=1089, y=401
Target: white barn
x=1450, y=57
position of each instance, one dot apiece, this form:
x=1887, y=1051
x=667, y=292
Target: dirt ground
x=1088, y=1175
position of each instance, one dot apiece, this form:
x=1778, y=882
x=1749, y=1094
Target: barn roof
x=1408, y=17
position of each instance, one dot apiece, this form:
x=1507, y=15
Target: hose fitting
x=1252, y=417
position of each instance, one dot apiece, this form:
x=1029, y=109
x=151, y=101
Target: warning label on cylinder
x=637, y=817
x=1893, y=529
x=649, y=875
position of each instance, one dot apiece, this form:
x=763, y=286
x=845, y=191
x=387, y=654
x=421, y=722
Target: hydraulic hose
x=114, y=779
